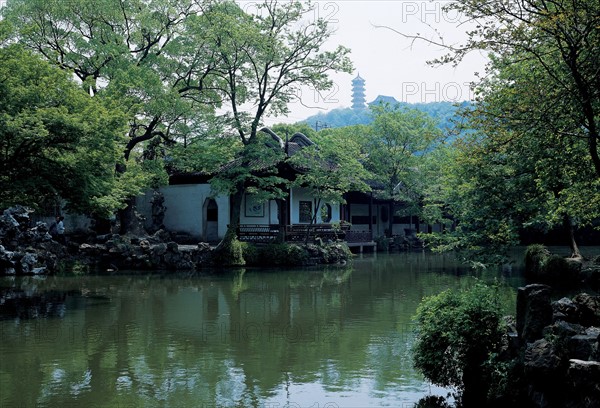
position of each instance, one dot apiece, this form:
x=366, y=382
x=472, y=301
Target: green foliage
x=263, y=60
x=251, y=253
x=457, y=332
x=239, y=285
x=330, y=169
x=432, y=401
x=532, y=161
x=535, y=257
x=230, y=251
x=288, y=130
x=287, y=254
x=141, y=55
x=397, y=142
x=168, y=65
x=55, y=140
x=555, y=42
x=277, y=254
x=544, y=266
x=383, y=243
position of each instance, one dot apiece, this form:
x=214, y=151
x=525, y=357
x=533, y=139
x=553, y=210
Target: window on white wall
x=326, y=213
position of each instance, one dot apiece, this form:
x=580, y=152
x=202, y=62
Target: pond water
x=326, y=337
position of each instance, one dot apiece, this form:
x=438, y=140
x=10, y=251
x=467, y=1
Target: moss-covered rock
x=288, y=254
x=543, y=266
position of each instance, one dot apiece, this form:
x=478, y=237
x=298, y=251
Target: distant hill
x=442, y=112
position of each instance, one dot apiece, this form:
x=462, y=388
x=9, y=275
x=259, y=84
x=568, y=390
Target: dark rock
x=511, y=324
x=589, y=309
x=562, y=329
x=172, y=247
x=160, y=236
x=591, y=276
x=584, y=378
x=566, y=309
x=558, y=316
x=158, y=210
x=144, y=245
x=534, y=311
x=7, y=261
x=41, y=227
x=582, y=346
x=542, y=362
x=42, y=270
x=159, y=249
x=593, y=331
x=20, y=214
x=28, y=262
x=204, y=246
x=103, y=238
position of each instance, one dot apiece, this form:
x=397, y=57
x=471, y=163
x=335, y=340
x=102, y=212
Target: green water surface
x=324, y=337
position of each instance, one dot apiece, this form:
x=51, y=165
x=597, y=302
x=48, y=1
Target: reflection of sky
x=361, y=395
x=306, y=337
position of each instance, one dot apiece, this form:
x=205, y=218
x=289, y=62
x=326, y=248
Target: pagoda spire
x=358, y=93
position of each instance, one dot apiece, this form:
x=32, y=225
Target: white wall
x=360, y=210
x=273, y=212
x=267, y=213
x=184, y=208
x=301, y=194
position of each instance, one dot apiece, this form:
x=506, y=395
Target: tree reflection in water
x=248, y=338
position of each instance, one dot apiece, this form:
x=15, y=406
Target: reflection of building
x=358, y=93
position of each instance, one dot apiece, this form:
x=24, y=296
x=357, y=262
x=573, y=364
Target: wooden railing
x=260, y=233
x=298, y=233
x=265, y=233
x=359, y=236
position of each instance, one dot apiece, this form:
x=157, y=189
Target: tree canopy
x=55, y=140
x=530, y=159
x=193, y=79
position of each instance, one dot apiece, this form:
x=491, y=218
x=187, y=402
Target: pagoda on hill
x=358, y=93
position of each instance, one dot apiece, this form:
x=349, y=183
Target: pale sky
x=386, y=60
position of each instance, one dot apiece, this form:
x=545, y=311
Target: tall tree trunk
x=313, y=220
x=570, y=228
x=234, y=219
x=391, y=220
x=282, y=219
x=229, y=252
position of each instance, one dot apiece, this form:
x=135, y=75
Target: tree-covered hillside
x=444, y=113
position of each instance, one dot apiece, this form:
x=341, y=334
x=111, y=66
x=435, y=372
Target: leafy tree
x=474, y=196
x=263, y=59
x=458, y=332
x=146, y=56
x=396, y=143
x=329, y=170
x=288, y=130
x=520, y=170
x=55, y=141
x=558, y=38
x=535, y=161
